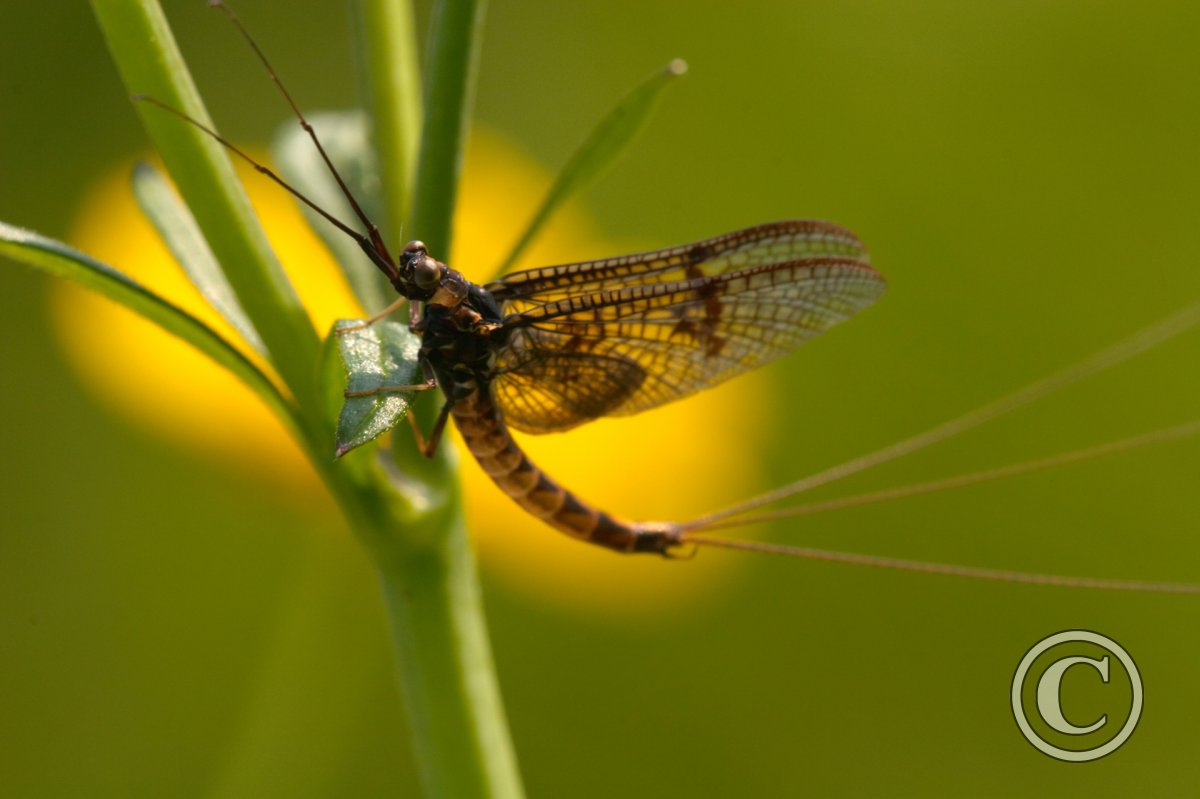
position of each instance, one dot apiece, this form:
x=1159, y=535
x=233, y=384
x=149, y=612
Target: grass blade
x=60, y=260
x=178, y=230
x=451, y=69
x=610, y=139
x=393, y=79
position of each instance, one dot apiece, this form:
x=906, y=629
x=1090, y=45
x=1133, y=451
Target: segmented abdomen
x=486, y=436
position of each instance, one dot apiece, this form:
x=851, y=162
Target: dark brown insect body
x=462, y=330
x=487, y=438
x=550, y=348
x=547, y=349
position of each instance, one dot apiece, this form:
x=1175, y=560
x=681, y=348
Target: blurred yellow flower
x=672, y=463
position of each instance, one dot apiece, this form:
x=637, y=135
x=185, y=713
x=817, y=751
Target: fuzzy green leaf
x=374, y=359
x=607, y=142
x=344, y=135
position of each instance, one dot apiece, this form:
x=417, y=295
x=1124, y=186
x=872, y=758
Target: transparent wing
x=645, y=338
x=552, y=389
x=762, y=245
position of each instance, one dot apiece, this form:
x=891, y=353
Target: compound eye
x=426, y=272
x=414, y=247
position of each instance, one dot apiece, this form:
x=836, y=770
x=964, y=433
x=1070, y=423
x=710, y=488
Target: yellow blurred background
x=1025, y=174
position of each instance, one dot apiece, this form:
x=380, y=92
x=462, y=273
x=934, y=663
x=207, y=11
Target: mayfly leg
x=370, y=392
x=427, y=446
x=373, y=318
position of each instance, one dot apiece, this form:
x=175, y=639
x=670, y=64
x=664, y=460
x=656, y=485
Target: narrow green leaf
x=451, y=71
x=178, y=229
x=607, y=142
x=374, y=358
x=393, y=77
x=60, y=260
x=344, y=136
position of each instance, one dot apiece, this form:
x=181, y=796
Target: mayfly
x=547, y=349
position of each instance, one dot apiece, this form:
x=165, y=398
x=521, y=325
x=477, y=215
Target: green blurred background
x=1026, y=175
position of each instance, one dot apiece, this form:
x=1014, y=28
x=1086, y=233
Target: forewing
x=683, y=335
x=772, y=243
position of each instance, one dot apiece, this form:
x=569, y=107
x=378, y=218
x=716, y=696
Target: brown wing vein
x=744, y=249
x=622, y=350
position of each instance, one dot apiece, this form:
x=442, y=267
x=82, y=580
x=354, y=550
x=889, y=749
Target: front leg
x=370, y=320
x=427, y=446
x=430, y=383
x=416, y=318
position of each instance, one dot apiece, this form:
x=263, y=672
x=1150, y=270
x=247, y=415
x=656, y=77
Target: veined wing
x=647, y=341
x=761, y=245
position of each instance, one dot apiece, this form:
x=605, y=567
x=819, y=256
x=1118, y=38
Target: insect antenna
x=380, y=258
x=371, y=244
x=372, y=228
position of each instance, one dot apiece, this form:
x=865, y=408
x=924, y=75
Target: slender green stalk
x=451, y=65
x=150, y=63
x=434, y=604
x=417, y=537
x=394, y=98
x=451, y=694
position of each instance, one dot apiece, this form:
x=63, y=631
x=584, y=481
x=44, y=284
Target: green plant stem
x=435, y=613
x=150, y=64
x=452, y=696
x=393, y=79
x=451, y=65
x=413, y=526
x=435, y=609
